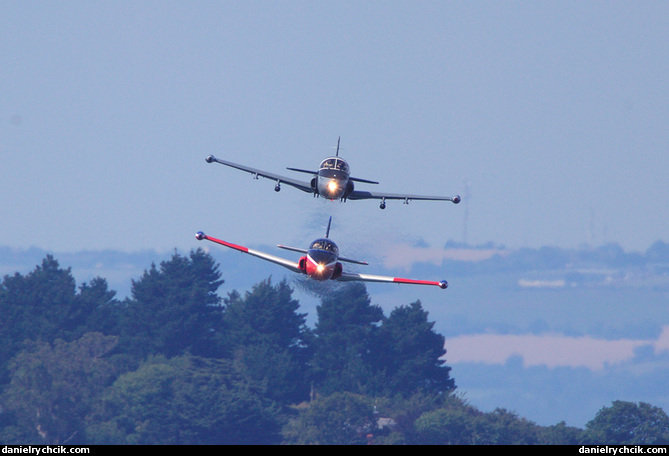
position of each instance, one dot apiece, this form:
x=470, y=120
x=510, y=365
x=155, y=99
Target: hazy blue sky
x=549, y=118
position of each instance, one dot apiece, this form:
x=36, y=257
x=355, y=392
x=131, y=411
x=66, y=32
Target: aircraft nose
x=319, y=271
x=332, y=189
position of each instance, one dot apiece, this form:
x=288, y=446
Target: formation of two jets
x=321, y=261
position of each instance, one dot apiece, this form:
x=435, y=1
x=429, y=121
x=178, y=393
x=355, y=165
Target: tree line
x=175, y=363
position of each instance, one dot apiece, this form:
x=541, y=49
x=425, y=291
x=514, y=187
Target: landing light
x=332, y=186
x=320, y=268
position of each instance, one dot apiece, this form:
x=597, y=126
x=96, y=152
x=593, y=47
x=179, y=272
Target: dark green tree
x=174, y=308
x=340, y=419
x=345, y=334
x=628, y=423
x=464, y=425
x=44, y=305
x=54, y=387
x=34, y=306
x=403, y=411
x=269, y=339
x=409, y=354
x=95, y=310
x=184, y=400
x=503, y=427
x=446, y=426
x=561, y=434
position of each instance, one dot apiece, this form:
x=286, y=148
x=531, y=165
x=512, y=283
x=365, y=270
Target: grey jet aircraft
x=332, y=181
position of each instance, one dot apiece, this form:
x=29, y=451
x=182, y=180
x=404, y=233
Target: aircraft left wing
x=279, y=179
x=359, y=195
x=352, y=276
x=292, y=265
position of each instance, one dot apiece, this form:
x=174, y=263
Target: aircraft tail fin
x=327, y=233
x=337, y=148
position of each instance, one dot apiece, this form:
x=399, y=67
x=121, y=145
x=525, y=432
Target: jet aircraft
x=332, y=181
x=321, y=261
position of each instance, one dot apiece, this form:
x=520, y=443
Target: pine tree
x=44, y=305
x=409, y=354
x=344, y=338
x=268, y=338
x=174, y=308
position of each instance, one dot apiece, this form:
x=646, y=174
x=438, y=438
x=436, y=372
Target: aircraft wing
x=301, y=185
x=352, y=276
x=360, y=194
x=292, y=265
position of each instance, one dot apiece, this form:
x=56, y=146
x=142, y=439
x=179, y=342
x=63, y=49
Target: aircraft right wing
x=301, y=185
x=292, y=265
x=360, y=194
x=352, y=276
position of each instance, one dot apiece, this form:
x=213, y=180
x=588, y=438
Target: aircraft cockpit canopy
x=325, y=245
x=335, y=163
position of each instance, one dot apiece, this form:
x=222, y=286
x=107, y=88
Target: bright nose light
x=332, y=186
x=320, y=268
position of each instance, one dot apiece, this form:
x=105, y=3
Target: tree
x=44, y=305
x=502, y=427
x=184, y=400
x=410, y=353
x=340, y=419
x=269, y=339
x=267, y=311
x=344, y=340
x=53, y=387
x=629, y=423
x=463, y=425
x=446, y=426
x=401, y=413
x=96, y=309
x=174, y=309
x=561, y=434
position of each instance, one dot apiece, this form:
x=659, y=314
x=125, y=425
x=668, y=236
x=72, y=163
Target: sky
x=548, y=118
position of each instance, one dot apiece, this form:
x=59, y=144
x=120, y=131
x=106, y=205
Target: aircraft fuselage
x=332, y=180
x=321, y=261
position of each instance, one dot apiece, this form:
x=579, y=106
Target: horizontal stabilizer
x=303, y=171
x=366, y=181
x=293, y=249
x=348, y=260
